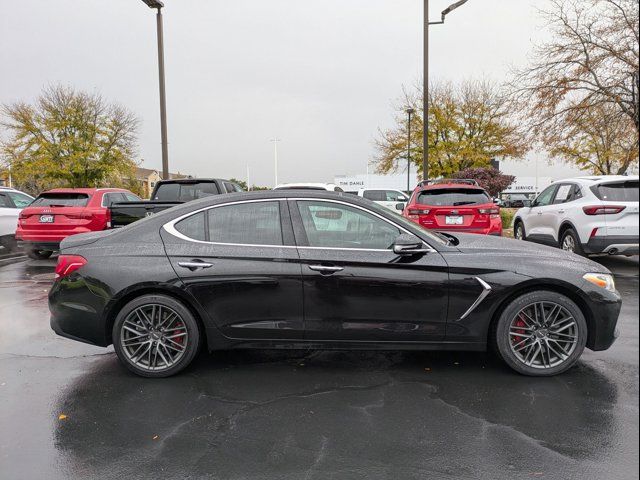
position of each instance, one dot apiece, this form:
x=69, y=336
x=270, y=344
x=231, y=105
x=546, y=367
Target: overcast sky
x=320, y=75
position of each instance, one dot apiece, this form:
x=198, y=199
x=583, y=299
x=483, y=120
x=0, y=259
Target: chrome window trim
x=169, y=227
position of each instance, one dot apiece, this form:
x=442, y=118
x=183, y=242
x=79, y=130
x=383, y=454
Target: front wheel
x=541, y=334
x=518, y=231
x=155, y=336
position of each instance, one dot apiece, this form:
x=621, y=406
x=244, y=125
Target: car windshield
x=626, y=191
x=452, y=197
x=68, y=199
x=184, y=192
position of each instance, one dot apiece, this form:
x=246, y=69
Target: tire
x=39, y=254
x=519, y=226
x=181, y=340
x=570, y=242
x=522, y=343
x=9, y=243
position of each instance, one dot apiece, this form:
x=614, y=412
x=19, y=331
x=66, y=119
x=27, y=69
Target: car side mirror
x=400, y=206
x=407, y=244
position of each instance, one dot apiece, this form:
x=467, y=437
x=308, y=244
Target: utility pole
x=410, y=111
x=158, y=5
x=275, y=158
x=425, y=79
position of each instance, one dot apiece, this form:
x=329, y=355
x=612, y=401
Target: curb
x=10, y=259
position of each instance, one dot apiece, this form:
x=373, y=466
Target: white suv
x=11, y=203
x=585, y=215
x=386, y=197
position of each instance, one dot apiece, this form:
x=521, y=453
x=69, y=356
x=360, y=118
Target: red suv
x=454, y=206
x=59, y=213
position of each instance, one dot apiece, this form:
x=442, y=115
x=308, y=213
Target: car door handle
x=539, y=213
x=560, y=211
x=325, y=268
x=195, y=265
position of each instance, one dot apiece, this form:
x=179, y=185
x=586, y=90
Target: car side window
x=393, y=196
x=252, y=223
x=545, y=197
x=109, y=198
x=20, y=200
x=193, y=227
x=563, y=194
x=5, y=202
x=130, y=197
x=375, y=195
x=335, y=225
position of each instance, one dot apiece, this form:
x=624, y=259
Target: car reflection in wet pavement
x=71, y=411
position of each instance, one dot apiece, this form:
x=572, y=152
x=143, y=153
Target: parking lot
x=71, y=411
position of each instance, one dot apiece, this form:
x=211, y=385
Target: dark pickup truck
x=167, y=194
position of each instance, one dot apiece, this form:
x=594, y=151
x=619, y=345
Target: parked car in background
x=57, y=214
x=309, y=269
x=516, y=200
x=455, y=207
x=329, y=187
x=584, y=215
x=167, y=194
x=12, y=202
x=384, y=196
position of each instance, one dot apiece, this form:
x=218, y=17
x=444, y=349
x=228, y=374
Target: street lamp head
x=154, y=3
x=452, y=7
x=410, y=111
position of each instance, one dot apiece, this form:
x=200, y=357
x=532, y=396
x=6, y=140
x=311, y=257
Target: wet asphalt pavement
x=68, y=410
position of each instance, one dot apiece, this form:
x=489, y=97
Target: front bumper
x=603, y=310
x=614, y=245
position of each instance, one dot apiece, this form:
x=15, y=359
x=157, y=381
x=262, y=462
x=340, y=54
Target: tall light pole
x=158, y=5
x=425, y=88
x=410, y=111
x=275, y=158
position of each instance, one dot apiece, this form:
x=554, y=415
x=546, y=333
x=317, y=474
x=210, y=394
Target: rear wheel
x=541, y=334
x=8, y=242
x=155, y=336
x=39, y=254
x=570, y=242
x=518, y=231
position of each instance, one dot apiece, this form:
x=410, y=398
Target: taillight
x=67, y=264
x=489, y=211
x=81, y=215
x=418, y=211
x=603, y=209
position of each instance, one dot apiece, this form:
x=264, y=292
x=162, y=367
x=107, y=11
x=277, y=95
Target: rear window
x=61, y=200
x=452, y=197
x=617, y=192
x=185, y=192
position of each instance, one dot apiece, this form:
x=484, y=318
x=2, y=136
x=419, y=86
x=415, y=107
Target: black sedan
x=311, y=269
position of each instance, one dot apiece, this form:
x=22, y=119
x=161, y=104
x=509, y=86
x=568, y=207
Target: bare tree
x=592, y=61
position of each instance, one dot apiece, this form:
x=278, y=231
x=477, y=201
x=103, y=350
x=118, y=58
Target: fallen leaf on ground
x=62, y=416
x=155, y=437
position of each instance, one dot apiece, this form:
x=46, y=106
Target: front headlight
x=602, y=280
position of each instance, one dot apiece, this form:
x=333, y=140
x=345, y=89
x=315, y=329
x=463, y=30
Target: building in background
x=147, y=178
x=352, y=183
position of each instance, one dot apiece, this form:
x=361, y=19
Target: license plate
x=451, y=220
x=46, y=218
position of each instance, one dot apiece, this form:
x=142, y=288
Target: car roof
x=88, y=191
x=318, y=186
x=438, y=186
x=594, y=179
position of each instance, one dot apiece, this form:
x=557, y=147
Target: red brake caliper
x=516, y=339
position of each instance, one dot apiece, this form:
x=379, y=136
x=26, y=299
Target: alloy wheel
x=569, y=244
x=543, y=335
x=154, y=337
x=518, y=235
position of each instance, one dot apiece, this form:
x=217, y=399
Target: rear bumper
x=52, y=246
x=52, y=236
x=77, y=313
x=614, y=245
